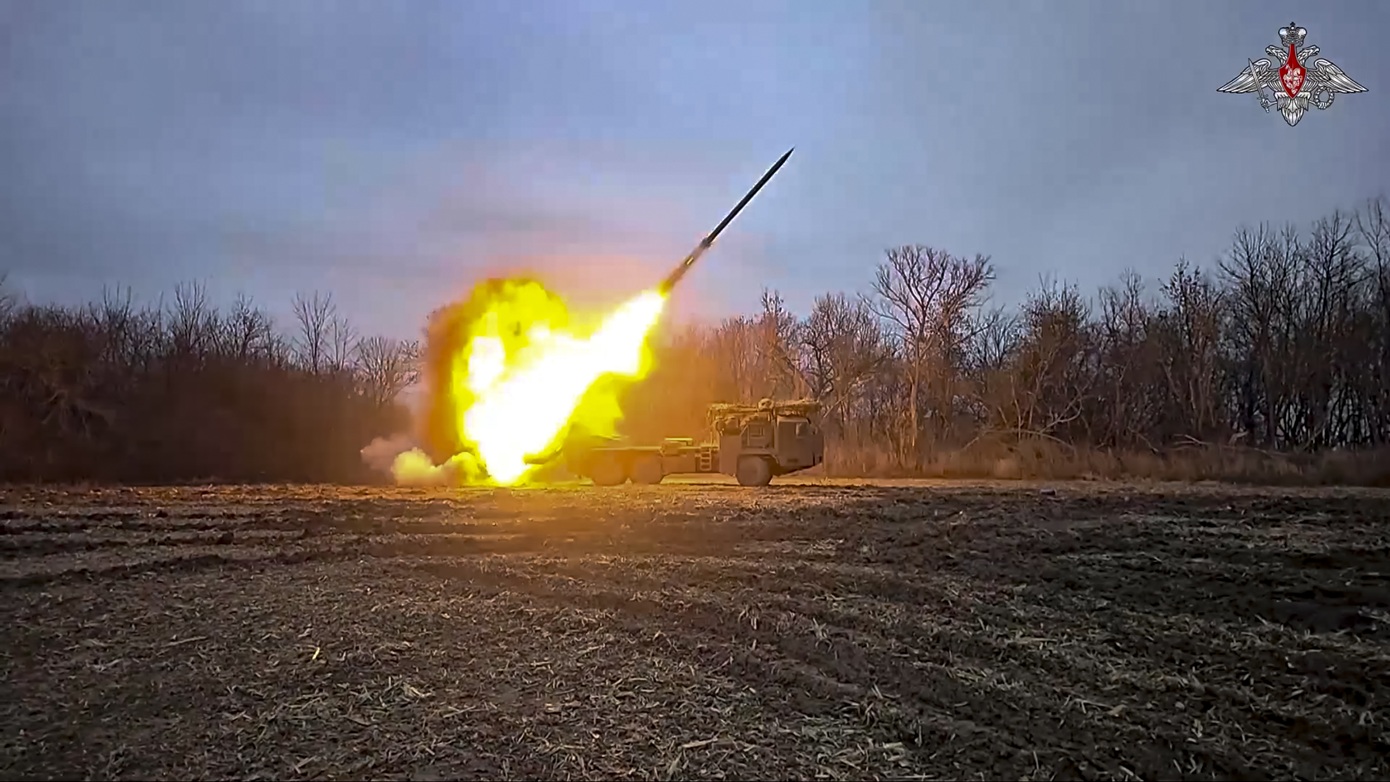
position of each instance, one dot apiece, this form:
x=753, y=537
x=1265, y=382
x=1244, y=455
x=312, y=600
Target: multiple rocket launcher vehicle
x=753, y=443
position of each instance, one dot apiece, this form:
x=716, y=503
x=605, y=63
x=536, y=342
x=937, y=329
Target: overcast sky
x=393, y=153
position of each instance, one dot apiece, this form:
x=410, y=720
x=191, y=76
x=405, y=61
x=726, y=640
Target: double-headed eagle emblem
x=1293, y=85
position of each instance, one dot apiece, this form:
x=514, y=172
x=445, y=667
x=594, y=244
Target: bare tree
x=1373, y=229
x=315, y=316
x=1126, y=409
x=842, y=345
x=1260, y=274
x=1333, y=272
x=740, y=375
x=386, y=367
x=191, y=321
x=1188, y=332
x=926, y=296
x=778, y=333
x=342, y=341
x=1052, y=374
x=9, y=301
x=248, y=331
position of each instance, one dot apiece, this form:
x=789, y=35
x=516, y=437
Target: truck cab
x=757, y=445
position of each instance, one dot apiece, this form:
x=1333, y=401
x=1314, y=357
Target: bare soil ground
x=927, y=630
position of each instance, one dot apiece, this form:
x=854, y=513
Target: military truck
x=753, y=443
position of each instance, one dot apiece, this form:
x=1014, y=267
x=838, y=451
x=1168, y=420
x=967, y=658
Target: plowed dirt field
x=925, y=630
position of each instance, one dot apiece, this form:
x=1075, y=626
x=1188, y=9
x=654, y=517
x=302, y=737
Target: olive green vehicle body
x=752, y=443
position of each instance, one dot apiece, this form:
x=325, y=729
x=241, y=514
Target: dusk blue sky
x=393, y=153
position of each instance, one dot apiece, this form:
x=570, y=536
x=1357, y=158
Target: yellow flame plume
x=523, y=376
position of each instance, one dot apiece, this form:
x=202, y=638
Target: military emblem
x=1293, y=85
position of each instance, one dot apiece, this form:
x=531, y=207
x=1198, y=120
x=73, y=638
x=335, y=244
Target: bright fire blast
x=508, y=376
x=515, y=374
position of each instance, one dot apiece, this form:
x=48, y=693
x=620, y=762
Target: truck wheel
x=753, y=471
x=607, y=471
x=647, y=470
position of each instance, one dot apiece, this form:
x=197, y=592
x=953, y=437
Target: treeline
x=180, y=391
x=1272, y=364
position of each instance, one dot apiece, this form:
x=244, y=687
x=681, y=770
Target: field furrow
x=910, y=630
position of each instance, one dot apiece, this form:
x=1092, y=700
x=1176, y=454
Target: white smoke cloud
x=408, y=465
x=381, y=453
x=401, y=457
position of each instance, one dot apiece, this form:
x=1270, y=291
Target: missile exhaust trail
x=705, y=243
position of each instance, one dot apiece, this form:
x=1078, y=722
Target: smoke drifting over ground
x=382, y=452
x=399, y=457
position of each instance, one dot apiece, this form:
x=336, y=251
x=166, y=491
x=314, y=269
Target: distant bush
x=1047, y=460
x=182, y=392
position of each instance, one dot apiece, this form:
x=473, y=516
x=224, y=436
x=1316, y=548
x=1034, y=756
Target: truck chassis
x=755, y=444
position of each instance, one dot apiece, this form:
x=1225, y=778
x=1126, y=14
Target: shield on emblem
x=1292, y=74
